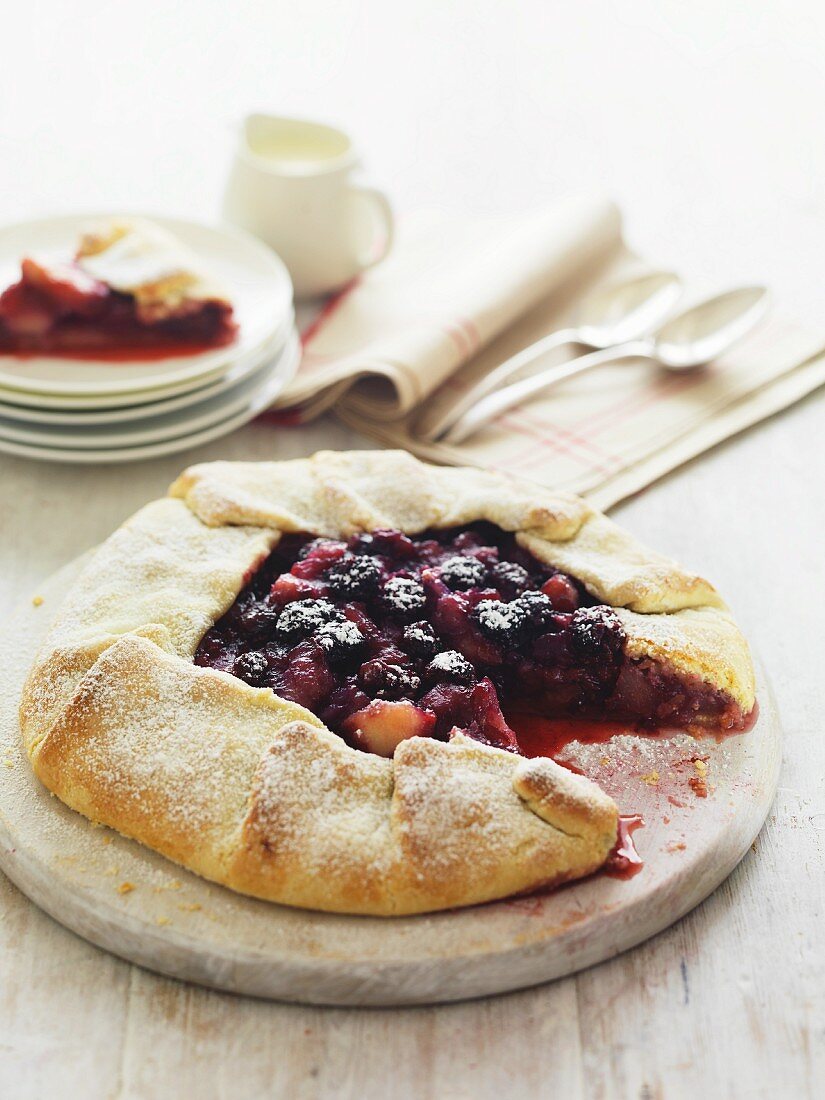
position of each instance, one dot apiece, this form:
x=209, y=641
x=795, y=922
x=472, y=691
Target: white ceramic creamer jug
x=292, y=184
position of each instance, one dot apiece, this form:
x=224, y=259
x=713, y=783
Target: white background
x=705, y=122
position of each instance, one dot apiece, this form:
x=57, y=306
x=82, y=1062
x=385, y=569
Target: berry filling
x=58, y=309
x=386, y=637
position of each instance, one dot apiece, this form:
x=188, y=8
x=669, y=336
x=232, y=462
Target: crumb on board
x=8, y=762
x=676, y=846
x=698, y=785
x=37, y=601
x=125, y=887
x=651, y=778
x=163, y=920
x=66, y=861
x=173, y=884
x=191, y=907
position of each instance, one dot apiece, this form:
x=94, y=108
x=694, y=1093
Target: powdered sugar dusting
x=162, y=566
x=172, y=747
x=451, y=664
x=181, y=757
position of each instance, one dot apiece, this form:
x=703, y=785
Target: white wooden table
x=704, y=123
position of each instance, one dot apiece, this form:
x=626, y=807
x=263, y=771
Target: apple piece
x=488, y=720
x=561, y=592
x=24, y=312
x=382, y=725
x=307, y=678
x=71, y=290
x=288, y=588
x=326, y=552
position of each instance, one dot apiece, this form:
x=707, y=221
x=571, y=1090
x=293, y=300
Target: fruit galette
x=300, y=679
x=131, y=291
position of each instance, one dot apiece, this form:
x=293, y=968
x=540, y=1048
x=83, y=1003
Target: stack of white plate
x=72, y=410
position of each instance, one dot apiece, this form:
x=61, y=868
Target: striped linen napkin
x=455, y=299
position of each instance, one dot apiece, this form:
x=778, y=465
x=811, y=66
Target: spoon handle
x=518, y=392
x=496, y=378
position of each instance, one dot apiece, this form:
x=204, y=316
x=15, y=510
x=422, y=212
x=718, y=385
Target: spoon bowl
x=691, y=339
x=703, y=332
x=623, y=311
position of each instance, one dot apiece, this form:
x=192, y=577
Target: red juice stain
x=624, y=861
x=124, y=353
x=750, y=720
x=540, y=736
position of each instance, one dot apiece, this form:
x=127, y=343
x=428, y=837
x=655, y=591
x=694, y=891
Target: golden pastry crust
x=141, y=258
x=254, y=792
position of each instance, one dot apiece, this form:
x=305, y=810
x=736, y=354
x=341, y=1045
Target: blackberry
x=421, y=640
x=403, y=597
x=450, y=665
x=501, y=622
x=275, y=653
x=257, y=621
x=251, y=667
x=384, y=680
x=596, y=632
x=303, y=617
x=510, y=577
x=354, y=578
x=462, y=573
x=538, y=610
x=340, y=640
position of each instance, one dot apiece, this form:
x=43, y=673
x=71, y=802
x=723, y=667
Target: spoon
x=687, y=340
x=612, y=314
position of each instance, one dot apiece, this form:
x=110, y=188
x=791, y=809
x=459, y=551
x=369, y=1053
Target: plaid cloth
x=398, y=346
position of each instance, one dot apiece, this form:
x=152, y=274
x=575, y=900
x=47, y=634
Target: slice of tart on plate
x=303, y=679
x=130, y=291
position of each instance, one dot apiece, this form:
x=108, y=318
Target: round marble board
x=703, y=803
